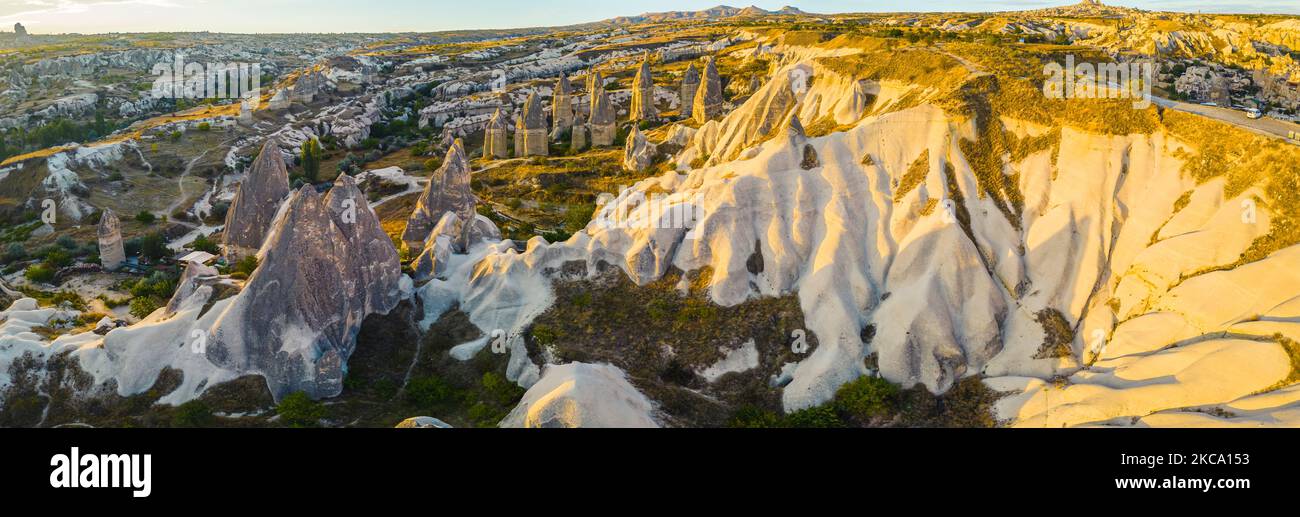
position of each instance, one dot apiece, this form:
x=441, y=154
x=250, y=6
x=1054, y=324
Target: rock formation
x=19, y=30
x=578, y=137
x=562, y=107
x=326, y=265
x=595, y=88
x=535, y=137
x=448, y=191
x=638, y=152
x=451, y=236
x=494, y=137
x=643, y=93
x=602, y=122
x=708, y=99
x=256, y=202
x=308, y=86
x=279, y=101
x=690, y=84
x=519, y=137
x=582, y=395
x=111, y=253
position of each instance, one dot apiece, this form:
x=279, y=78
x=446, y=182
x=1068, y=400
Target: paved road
x=1265, y=126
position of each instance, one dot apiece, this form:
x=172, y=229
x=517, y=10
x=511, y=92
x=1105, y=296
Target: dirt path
x=180, y=186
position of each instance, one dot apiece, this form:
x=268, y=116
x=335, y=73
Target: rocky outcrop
x=194, y=277
x=307, y=87
x=111, y=252
x=579, y=395
x=638, y=153
x=422, y=422
x=494, y=137
x=535, y=136
x=562, y=107
x=256, y=202
x=595, y=88
x=326, y=265
x=578, y=138
x=690, y=85
x=448, y=191
x=602, y=123
x=643, y=93
x=451, y=236
x=708, y=98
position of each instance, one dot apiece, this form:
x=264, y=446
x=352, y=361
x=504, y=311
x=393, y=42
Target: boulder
x=638, y=153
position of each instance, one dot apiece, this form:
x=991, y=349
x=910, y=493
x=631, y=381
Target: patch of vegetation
x=299, y=410
x=1058, y=335
x=875, y=402
x=662, y=337
x=914, y=176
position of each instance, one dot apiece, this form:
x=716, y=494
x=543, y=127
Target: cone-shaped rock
x=643, y=93
x=111, y=252
x=256, y=203
x=494, y=137
x=595, y=87
x=448, y=191
x=708, y=99
x=690, y=84
x=602, y=123
x=296, y=320
x=378, y=263
x=536, y=141
x=562, y=106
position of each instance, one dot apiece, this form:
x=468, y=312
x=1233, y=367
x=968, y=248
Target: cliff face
x=928, y=245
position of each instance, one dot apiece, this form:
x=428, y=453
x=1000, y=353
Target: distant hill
x=715, y=13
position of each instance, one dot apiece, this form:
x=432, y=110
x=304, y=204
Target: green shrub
x=143, y=306
x=154, y=247
x=298, y=410
x=750, y=417
x=814, y=417
x=426, y=392
x=194, y=413
x=203, y=243
x=501, y=390
x=39, y=273
x=145, y=217
x=867, y=398
x=246, y=265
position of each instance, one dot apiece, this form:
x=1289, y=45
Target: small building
x=198, y=257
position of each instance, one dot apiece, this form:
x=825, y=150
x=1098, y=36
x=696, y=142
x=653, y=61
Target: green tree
x=311, y=158
x=194, y=413
x=298, y=410
x=153, y=246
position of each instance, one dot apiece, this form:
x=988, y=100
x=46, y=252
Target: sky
x=245, y=16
